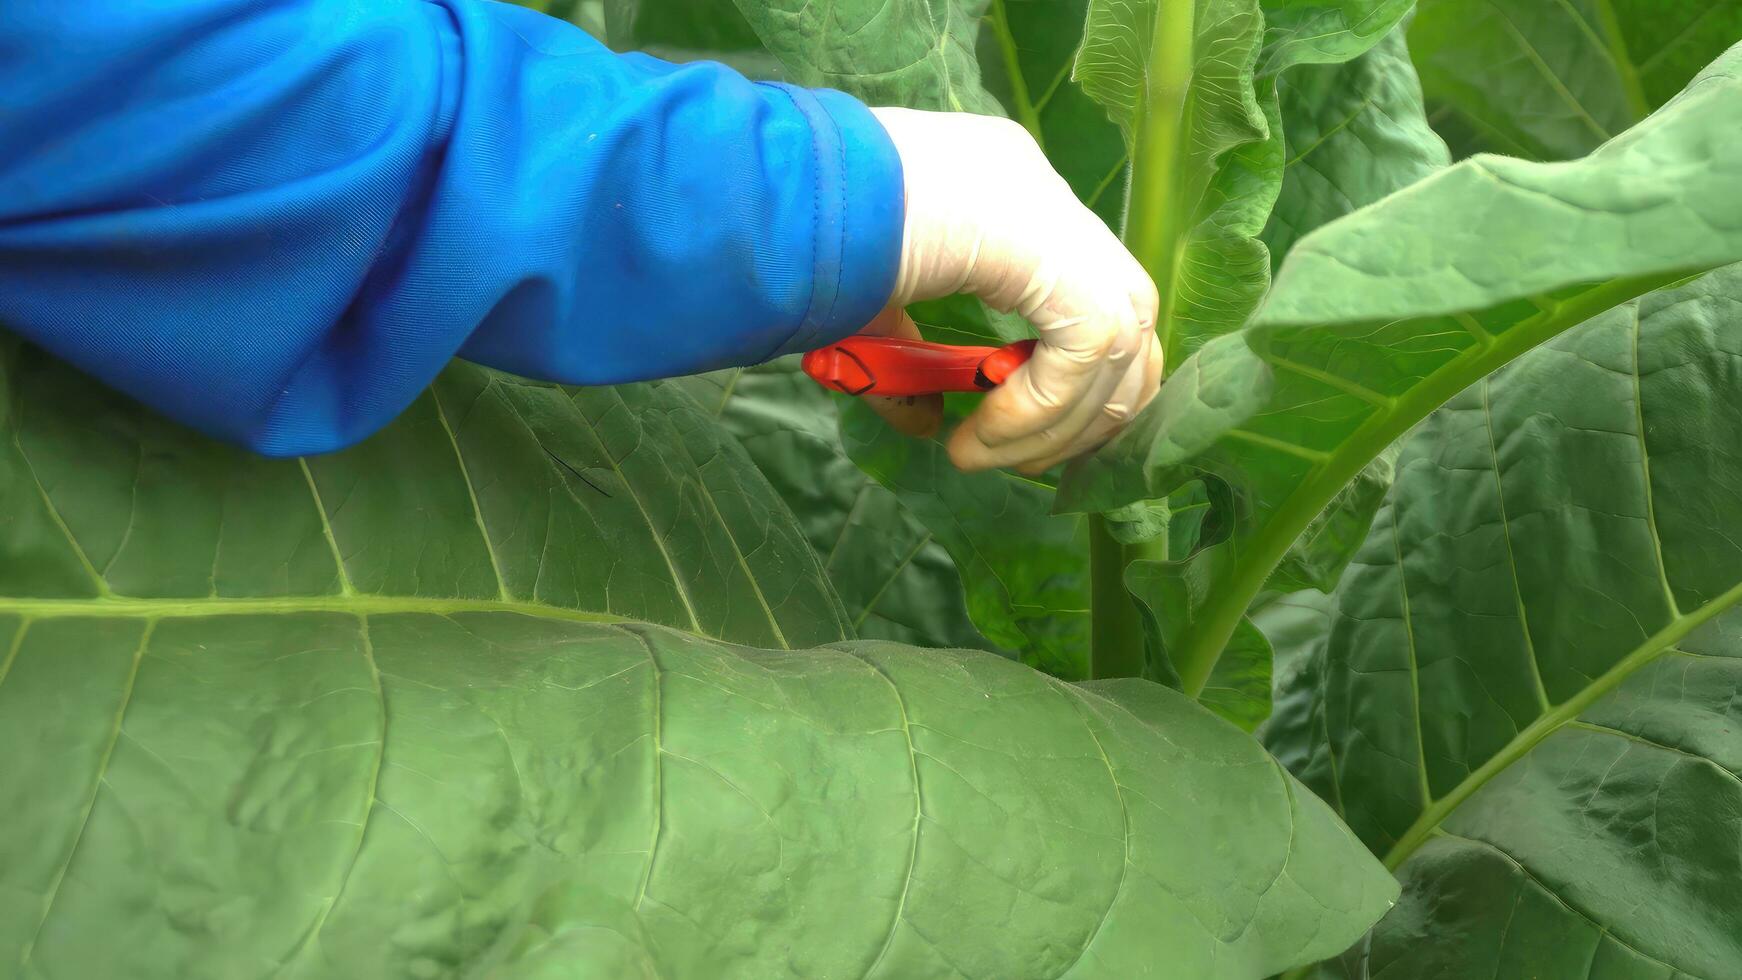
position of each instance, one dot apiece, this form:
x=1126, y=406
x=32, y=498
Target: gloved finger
x=971, y=449
x=1140, y=380
x=919, y=416
x=1134, y=392
x=1083, y=351
x=1073, y=434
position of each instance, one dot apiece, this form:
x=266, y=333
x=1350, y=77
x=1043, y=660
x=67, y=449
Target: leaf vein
x=96, y=788
x=472, y=496
x=918, y=812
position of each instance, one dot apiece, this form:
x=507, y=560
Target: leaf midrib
x=1204, y=640
x=366, y=605
x=1614, y=42
x=1554, y=719
x=1554, y=81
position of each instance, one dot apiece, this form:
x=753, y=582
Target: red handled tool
x=861, y=365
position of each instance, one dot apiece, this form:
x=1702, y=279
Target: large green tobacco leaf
x=897, y=582
x=350, y=790
x=377, y=714
x=1552, y=79
x=1381, y=316
x=1355, y=132
x=1319, y=32
x=1026, y=49
x=1529, y=688
x=625, y=501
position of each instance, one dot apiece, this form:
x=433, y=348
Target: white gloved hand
x=987, y=215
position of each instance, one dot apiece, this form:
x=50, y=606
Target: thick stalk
x=1116, y=633
x=1152, y=231
x=1153, y=222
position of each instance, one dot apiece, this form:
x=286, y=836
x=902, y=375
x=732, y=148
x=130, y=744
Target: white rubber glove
x=987, y=214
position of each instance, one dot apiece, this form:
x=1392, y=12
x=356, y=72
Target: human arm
x=277, y=221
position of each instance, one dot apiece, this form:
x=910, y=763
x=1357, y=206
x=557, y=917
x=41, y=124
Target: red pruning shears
x=861, y=365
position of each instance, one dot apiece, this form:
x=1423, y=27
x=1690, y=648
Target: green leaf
x=1529, y=686
x=1297, y=625
x=1552, y=79
x=1209, y=396
x=1187, y=84
x=919, y=55
x=624, y=501
x=1239, y=687
x=1027, y=48
x=1381, y=316
x=1320, y=32
x=897, y=582
x=489, y=790
x=588, y=15
x=1136, y=523
x=688, y=30
x=1355, y=133
x=1024, y=570
x=1317, y=558
x=699, y=25
x=375, y=714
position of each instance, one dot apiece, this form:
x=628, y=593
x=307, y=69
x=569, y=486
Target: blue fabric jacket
x=276, y=220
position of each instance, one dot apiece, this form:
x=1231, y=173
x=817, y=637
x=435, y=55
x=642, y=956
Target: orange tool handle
x=861, y=365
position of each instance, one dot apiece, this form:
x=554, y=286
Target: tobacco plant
x=1235, y=505
x=677, y=679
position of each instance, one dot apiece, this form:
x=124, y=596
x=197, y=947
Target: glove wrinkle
x=987, y=215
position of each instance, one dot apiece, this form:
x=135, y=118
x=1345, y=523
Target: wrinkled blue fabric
x=276, y=220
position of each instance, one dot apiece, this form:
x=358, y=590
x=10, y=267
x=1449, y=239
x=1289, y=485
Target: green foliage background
x=718, y=677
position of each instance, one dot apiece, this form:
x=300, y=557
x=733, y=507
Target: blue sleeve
x=276, y=220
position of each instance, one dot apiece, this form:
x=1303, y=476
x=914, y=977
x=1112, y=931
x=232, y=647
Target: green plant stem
x=1153, y=222
x=1026, y=114
x=1116, y=631
x=1616, y=43
x=1152, y=232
